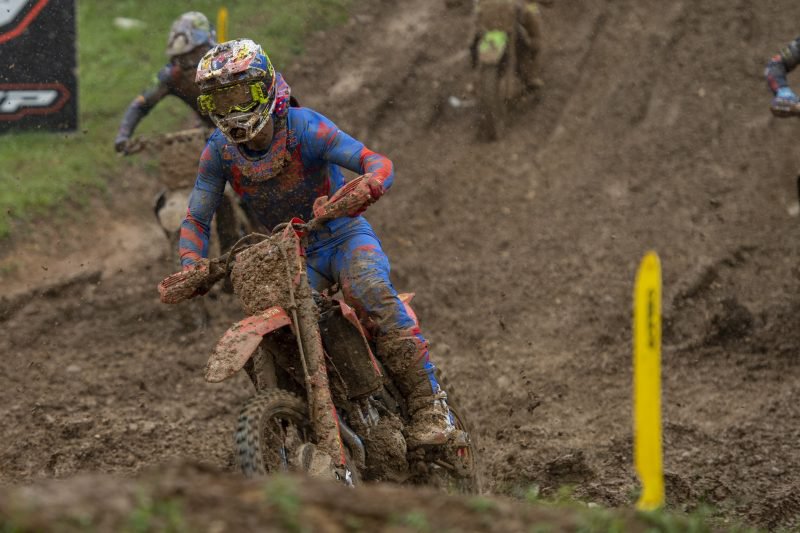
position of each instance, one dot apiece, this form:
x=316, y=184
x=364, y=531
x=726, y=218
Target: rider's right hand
x=121, y=144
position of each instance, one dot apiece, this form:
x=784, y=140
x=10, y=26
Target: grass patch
x=41, y=170
x=281, y=492
x=156, y=515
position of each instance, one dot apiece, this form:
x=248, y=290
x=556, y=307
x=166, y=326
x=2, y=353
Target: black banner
x=38, y=88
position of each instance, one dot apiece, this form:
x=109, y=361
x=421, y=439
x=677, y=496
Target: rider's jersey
x=302, y=163
x=781, y=64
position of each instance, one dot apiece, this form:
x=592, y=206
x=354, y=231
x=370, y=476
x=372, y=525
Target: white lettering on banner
x=13, y=101
x=9, y=9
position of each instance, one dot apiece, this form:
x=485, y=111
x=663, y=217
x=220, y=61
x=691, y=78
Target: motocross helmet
x=190, y=31
x=237, y=88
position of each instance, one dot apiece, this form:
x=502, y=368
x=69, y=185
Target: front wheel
x=490, y=103
x=274, y=434
x=272, y=428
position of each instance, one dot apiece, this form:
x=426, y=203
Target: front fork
x=305, y=319
x=321, y=407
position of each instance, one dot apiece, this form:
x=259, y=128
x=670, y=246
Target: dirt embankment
x=652, y=132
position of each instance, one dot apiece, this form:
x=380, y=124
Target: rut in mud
x=652, y=131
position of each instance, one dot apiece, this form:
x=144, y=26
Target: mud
x=651, y=131
x=188, y=498
x=262, y=275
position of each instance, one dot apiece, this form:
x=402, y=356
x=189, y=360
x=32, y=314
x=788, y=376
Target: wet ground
x=652, y=131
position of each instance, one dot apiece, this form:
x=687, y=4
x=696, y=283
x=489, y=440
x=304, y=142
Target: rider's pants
x=349, y=253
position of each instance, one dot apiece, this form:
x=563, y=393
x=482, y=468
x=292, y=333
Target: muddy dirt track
x=652, y=132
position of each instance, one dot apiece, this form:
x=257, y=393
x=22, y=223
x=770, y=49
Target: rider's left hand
x=371, y=188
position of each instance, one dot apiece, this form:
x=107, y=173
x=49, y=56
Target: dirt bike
x=498, y=51
x=491, y=56
x=178, y=156
x=322, y=398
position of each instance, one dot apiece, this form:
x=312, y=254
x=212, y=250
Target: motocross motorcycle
x=494, y=53
x=491, y=56
x=321, y=397
x=178, y=156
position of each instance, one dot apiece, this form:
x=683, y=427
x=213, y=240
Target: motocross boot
x=406, y=358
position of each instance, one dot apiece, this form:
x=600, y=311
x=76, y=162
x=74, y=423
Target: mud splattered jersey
x=304, y=161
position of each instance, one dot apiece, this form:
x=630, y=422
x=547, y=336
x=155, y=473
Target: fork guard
x=240, y=341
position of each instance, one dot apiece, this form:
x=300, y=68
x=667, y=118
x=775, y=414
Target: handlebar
x=187, y=284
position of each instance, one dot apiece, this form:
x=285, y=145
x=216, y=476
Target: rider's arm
x=143, y=103
x=203, y=202
x=531, y=22
x=325, y=141
x=781, y=64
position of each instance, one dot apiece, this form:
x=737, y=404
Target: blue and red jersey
x=304, y=161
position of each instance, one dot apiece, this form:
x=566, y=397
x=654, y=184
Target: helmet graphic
x=189, y=31
x=237, y=84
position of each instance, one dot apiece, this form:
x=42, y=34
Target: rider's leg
x=362, y=270
x=529, y=47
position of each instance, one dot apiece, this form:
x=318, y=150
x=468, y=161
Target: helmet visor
x=243, y=97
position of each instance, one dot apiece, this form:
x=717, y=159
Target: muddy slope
x=652, y=132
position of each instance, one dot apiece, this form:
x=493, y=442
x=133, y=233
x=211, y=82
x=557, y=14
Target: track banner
x=38, y=86
x=647, y=382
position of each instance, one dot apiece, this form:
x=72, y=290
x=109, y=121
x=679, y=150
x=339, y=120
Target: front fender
x=492, y=47
x=240, y=341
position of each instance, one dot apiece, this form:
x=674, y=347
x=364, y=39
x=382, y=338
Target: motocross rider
x=279, y=159
x=785, y=101
x=190, y=37
x=518, y=20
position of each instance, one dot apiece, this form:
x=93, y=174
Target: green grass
x=42, y=171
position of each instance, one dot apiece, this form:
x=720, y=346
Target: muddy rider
x=190, y=37
x=785, y=102
x=279, y=159
x=519, y=21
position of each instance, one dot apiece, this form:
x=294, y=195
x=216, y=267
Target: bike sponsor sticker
x=16, y=15
x=20, y=99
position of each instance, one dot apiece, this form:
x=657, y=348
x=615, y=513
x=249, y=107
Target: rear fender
x=492, y=47
x=241, y=340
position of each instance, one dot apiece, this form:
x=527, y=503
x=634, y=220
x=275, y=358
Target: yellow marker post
x=222, y=25
x=647, y=382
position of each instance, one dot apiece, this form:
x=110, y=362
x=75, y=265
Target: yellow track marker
x=647, y=382
x=222, y=25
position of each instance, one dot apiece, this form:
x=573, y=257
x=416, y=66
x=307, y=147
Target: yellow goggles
x=242, y=98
